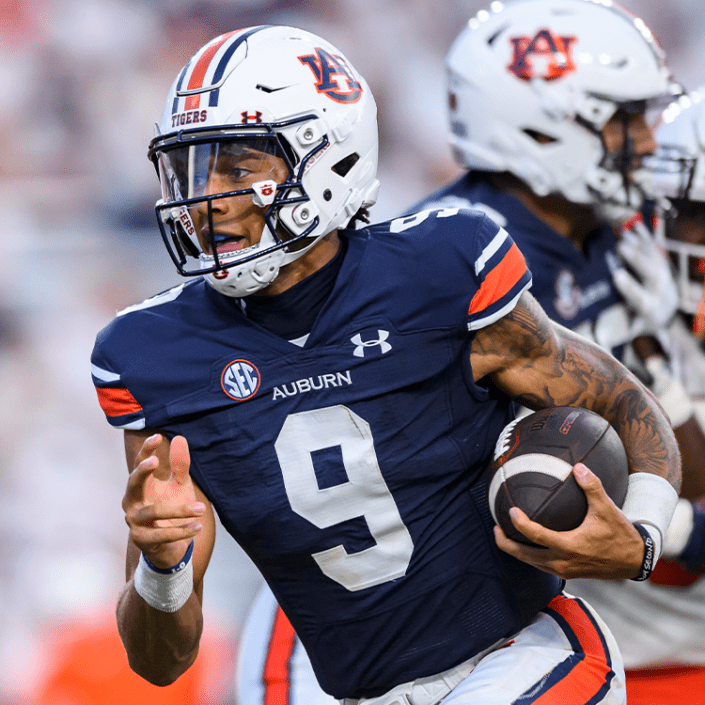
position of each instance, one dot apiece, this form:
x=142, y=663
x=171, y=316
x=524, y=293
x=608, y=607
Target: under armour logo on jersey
x=240, y=380
x=362, y=344
x=334, y=77
x=545, y=56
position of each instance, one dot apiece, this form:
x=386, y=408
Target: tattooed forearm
x=646, y=446
x=542, y=364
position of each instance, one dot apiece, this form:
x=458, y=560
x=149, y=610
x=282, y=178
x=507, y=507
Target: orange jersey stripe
x=499, y=281
x=117, y=402
x=276, y=666
x=590, y=674
x=199, y=72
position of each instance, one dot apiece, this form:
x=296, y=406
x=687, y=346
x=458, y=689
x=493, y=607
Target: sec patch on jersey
x=533, y=462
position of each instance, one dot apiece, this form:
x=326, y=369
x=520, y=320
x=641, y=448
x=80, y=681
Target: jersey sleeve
x=501, y=273
x=459, y=268
x=120, y=407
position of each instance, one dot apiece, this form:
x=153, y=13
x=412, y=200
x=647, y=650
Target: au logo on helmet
x=334, y=77
x=555, y=51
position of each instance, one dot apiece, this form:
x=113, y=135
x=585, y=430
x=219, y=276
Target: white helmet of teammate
x=532, y=83
x=678, y=174
x=278, y=91
x=679, y=163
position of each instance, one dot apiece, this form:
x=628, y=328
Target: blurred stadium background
x=83, y=82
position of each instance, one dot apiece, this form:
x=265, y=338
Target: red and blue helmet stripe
x=200, y=64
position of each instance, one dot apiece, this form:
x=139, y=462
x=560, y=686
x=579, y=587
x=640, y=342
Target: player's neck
x=316, y=258
x=572, y=221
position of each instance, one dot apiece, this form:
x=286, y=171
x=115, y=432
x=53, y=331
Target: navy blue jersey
x=350, y=469
x=574, y=286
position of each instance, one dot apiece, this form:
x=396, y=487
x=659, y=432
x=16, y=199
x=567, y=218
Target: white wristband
x=650, y=501
x=679, y=530
x=669, y=391
x=165, y=590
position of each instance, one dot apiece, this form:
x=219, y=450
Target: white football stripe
x=530, y=462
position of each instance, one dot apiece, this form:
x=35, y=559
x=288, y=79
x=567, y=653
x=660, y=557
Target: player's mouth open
x=228, y=243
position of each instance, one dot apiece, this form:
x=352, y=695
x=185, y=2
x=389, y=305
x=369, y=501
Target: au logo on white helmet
x=333, y=75
x=554, y=51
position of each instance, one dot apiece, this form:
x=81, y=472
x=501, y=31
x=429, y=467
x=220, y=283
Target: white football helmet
x=678, y=174
x=532, y=83
x=272, y=90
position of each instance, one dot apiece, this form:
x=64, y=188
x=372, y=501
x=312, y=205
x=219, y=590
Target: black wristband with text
x=647, y=564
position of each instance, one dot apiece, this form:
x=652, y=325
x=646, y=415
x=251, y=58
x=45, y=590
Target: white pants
x=566, y=656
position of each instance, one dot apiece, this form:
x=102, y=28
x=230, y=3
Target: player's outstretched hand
x=606, y=545
x=160, y=502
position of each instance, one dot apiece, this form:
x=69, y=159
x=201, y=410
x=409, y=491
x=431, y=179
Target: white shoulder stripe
x=104, y=375
x=478, y=323
x=134, y=426
x=494, y=245
x=155, y=300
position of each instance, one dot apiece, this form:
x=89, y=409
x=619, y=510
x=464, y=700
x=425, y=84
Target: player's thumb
x=179, y=458
x=588, y=481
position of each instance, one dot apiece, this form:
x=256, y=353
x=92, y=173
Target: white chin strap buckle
x=264, y=193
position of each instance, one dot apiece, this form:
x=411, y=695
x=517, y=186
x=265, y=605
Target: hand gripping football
x=533, y=462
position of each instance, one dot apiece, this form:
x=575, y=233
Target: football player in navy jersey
x=548, y=107
x=334, y=394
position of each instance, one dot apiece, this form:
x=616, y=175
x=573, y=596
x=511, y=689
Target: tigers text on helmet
x=532, y=83
x=678, y=174
x=286, y=101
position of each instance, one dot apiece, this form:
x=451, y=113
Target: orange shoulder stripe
x=117, y=402
x=499, y=281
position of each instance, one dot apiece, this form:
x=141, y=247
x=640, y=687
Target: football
x=533, y=462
